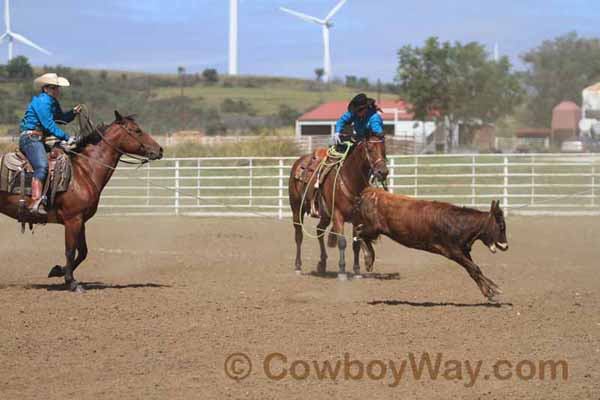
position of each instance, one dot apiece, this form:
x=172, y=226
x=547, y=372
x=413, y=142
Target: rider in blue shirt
x=363, y=115
x=38, y=123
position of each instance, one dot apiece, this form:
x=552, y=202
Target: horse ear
x=493, y=206
x=118, y=117
x=496, y=209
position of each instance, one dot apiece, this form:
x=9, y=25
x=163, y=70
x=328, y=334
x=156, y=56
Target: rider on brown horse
x=363, y=115
x=38, y=123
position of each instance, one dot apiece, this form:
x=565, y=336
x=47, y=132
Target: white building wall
x=414, y=129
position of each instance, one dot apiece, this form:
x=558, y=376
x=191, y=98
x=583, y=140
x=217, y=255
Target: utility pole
x=181, y=73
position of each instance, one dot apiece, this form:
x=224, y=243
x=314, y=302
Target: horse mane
x=90, y=135
x=363, y=141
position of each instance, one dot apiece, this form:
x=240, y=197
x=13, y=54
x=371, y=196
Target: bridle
x=373, y=164
x=132, y=134
x=85, y=123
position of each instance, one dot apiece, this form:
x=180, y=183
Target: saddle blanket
x=16, y=171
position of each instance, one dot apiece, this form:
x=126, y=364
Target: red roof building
x=335, y=109
x=397, y=120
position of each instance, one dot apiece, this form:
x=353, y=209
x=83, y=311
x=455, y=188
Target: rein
x=139, y=160
x=372, y=164
x=85, y=124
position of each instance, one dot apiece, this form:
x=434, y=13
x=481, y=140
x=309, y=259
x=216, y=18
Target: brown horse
x=366, y=159
x=93, y=164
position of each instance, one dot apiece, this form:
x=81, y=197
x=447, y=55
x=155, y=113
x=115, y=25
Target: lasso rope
x=334, y=154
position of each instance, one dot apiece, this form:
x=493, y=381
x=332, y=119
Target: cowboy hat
x=50, y=79
x=359, y=102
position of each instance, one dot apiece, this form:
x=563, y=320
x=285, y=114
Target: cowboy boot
x=37, y=202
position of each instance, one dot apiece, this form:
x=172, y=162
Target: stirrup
x=37, y=208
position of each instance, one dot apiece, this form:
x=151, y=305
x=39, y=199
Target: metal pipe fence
x=257, y=186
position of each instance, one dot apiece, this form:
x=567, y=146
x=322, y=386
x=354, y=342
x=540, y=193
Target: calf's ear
x=496, y=210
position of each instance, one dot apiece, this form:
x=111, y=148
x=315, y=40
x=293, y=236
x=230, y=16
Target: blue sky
x=159, y=35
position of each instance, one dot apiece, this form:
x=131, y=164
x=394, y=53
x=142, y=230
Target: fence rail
x=257, y=186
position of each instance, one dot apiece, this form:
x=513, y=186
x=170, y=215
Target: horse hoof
x=79, y=289
x=298, y=272
x=76, y=287
x=56, y=272
x=358, y=276
x=342, y=277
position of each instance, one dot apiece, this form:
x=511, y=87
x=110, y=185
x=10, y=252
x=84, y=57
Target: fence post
x=593, y=184
x=250, y=176
x=392, y=163
x=280, y=202
x=148, y=184
x=199, y=164
x=310, y=144
x=176, y=187
x=532, y=180
x=473, y=180
x=416, y=175
x=505, y=194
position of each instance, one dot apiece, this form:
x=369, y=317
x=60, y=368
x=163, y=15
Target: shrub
x=210, y=75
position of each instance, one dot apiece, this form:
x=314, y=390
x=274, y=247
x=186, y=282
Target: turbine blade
x=335, y=10
x=4, y=36
x=302, y=16
x=28, y=42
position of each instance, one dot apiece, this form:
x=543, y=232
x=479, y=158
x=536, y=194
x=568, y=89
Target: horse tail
x=332, y=239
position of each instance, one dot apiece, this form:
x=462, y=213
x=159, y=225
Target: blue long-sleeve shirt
x=41, y=115
x=371, y=122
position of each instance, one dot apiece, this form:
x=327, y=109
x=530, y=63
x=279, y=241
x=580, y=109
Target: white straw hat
x=50, y=79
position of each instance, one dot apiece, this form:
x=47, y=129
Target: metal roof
x=332, y=111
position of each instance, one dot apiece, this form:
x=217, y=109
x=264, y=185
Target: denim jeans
x=34, y=150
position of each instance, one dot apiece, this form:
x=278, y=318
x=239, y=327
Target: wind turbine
x=233, y=37
x=325, y=24
x=12, y=36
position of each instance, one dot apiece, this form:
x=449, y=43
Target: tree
x=210, y=75
x=457, y=82
x=319, y=72
x=363, y=83
x=287, y=115
x=559, y=70
x=351, y=80
x=181, y=74
x=19, y=68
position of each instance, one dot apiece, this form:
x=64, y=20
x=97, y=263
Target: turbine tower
x=325, y=24
x=233, y=37
x=12, y=36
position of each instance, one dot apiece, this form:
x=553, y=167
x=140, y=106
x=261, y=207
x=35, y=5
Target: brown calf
x=432, y=226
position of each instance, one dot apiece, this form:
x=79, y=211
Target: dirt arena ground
x=169, y=300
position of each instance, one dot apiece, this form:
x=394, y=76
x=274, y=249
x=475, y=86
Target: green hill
x=167, y=102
